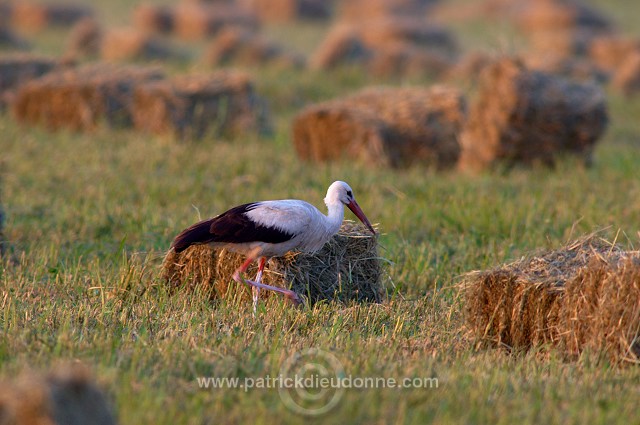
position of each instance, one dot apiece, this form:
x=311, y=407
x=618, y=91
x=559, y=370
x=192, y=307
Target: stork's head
x=340, y=192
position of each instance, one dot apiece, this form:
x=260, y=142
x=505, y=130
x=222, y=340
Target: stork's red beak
x=355, y=208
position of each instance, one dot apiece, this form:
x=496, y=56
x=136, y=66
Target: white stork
x=260, y=230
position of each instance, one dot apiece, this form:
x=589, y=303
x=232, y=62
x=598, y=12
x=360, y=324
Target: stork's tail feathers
x=199, y=233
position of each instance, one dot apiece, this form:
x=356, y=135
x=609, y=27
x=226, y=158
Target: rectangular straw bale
x=610, y=51
x=80, y=99
x=384, y=126
x=31, y=16
x=3, y=241
x=69, y=394
x=601, y=309
x=194, y=21
x=414, y=31
x=223, y=103
x=85, y=39
x=342, y=45
x=574, y=68
x=334, y=130
x=239, y=46
x=10, y=40
x=627, y=78
x=583, y=297
x=155, y=19
x=347, y=268
x=524, y=116
x=19, y=68
x=362, y=10
x=388, y=47
x=288, y=10
x=119, y=44
x=545, y=15
x=407, y=60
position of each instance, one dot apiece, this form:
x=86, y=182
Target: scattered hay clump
x=585, y=296
x=347, y=268
x=384, y=126
x=239, y=46
x=223, y=103
x=529, y=117
x=68, y=395
x=82, y=98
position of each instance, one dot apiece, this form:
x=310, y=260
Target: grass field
x=89, y=217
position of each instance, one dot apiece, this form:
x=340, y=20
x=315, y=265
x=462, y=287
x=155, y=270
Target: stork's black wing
x=232, y=226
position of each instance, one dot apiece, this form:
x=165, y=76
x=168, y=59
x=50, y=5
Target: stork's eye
x=349, y=194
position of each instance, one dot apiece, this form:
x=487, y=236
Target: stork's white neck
x=334, y=217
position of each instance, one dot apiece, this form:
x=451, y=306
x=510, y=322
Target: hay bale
x=19, y=68
x=561, y=43
x=67, y=395
x=195, y=21
x=529, y=117
x=3, y=241
x=341, y=46
x=384, y=126
x=627, y=78
x=362, y=10
x=575, y=68
x=469, y=66
x=223, y=103
x=120, y=44
x=414, y=31
x=34, y=17
x=516, y=305
x=546, y=15
x=9, y=40
x=347, y=268
x=510, y=10
x=610, y=52
x=85, y=38
x=584, y=296
x=601, y=309
x=154, y=19
x=406, y=60
x=279, y=11
x=241, y=47
x=388, y=47
x=82, y=98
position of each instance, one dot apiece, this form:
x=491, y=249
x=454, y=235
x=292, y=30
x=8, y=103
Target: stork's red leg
x=254, y=289
x=237, y=276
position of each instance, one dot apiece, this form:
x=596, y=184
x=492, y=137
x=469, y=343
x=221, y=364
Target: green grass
x=91, y=215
